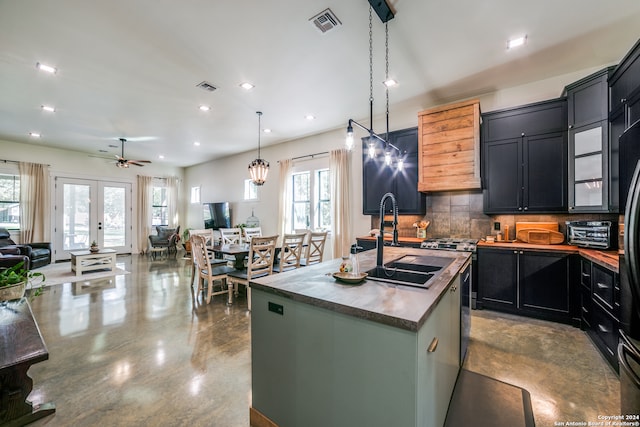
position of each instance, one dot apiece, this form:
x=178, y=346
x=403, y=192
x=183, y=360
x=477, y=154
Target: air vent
x=206, y=86
x=325, y=21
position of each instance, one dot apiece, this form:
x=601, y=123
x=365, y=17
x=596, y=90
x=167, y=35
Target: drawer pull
x=602, y=286
x=585, y=274
x=603, y=329
x=434, y=344
x=584, y=310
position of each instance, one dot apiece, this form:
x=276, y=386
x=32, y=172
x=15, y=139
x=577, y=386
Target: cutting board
x=540, y=236
x=523, y=225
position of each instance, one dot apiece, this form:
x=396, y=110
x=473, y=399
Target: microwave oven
x=592, y=234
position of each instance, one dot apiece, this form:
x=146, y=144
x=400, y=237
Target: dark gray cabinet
x=600, y=308
x=589, y=155
x=530, y=283
x=379, y=178
x=524, y=158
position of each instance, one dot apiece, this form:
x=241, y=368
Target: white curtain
x=285, y=197
x=145, y=187
x=172, y=201
x=34, y=202
x=340, y=171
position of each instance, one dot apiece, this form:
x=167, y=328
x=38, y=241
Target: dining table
x=238, y=251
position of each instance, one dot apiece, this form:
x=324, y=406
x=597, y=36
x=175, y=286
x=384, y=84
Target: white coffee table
x=82, y=261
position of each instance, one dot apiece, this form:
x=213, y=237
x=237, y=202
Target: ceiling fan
x=121, y=162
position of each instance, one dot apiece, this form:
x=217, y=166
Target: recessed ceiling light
x=34, y=134
x=197, y=143
x=160, y=156
x=47, y=68
x=246, y=86
x=519, y=41
x=267, y=131
x=309, y=117
x=205, y=108
x=48, y=108
x=389, y=83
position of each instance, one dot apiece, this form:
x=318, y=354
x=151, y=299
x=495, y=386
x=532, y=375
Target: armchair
x=39, y=254
x=166, y=238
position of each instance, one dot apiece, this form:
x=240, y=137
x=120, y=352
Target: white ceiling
x=129, y=68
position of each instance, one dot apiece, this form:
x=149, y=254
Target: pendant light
x=374, y=137
x=259, y=168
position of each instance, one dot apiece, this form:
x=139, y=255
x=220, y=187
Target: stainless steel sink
x=410, y=270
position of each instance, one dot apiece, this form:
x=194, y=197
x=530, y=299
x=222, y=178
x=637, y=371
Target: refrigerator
x=629, y=344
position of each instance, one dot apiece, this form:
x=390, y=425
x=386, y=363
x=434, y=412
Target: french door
x=88, y=211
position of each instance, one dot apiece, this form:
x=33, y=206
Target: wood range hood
x=449, y=147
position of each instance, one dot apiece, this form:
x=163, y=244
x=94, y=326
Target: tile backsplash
x=459, y=214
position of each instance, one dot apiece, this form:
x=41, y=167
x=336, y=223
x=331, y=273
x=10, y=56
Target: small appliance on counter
x=592, y=234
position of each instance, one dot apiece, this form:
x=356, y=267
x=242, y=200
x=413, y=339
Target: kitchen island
x=325, y=353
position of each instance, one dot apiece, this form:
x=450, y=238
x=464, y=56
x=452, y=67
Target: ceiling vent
x=206, y=86
x=325, y=21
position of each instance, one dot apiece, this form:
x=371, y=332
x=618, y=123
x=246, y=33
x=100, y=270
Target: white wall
x=72, y=164
x=223, y=180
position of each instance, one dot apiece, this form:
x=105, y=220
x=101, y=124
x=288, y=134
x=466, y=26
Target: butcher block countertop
x=400, y=306
x=608, y=259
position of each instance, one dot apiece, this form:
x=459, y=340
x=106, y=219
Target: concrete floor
x=140, y=350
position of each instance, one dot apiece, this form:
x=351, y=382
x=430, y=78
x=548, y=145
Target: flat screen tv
x=217, y=215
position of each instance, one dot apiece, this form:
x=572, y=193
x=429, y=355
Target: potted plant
x=185, y=239
x=13, y=282
x=94, y=247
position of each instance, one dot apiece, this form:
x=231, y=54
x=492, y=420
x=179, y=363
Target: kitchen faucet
x=394, y=241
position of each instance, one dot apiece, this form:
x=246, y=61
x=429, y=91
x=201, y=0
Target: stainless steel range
x=468, y=282
x=450, y=244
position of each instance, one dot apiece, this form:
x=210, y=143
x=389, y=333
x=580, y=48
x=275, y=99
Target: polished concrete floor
x=140, y=350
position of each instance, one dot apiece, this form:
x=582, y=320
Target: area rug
x=61, y=273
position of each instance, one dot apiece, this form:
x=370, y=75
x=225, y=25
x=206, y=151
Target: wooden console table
x=21, y=346
x=82, y=261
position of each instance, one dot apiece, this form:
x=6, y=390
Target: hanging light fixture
x=259, y=168
x=385, y=16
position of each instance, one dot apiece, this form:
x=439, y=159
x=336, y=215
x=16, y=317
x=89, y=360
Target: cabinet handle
x=520, y=208
x=526, y=208
x=434, y=344
x=521, y=252
x=623, y=100
x=522, y=134
x=570, y=126
x=584, y=310
x=585, y=275
x=515, y=252
x=571, y=208
x=602, y=329
x=602, y=286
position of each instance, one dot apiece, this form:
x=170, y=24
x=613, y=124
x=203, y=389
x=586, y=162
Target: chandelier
x=374, y=138
x=259, y=168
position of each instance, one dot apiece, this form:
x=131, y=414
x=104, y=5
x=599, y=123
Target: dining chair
x=307, y=233
x=250, y=232
x=291, y=252
x=205, y=271
x=261, y=256
x=231, y=236
x=315, y=249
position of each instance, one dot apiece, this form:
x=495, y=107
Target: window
x=195, y=194
x=250, y=190
x=311, y=200
x=9, y=201
x=159, y=208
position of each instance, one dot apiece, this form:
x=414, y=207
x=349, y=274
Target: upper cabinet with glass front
x=589, y=156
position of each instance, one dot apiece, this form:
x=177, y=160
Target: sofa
x=39, y=254
x=10, y=256
x=166, y=238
